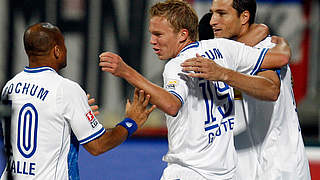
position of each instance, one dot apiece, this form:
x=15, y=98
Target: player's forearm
x=165, y=101
x=255, y=86
x=277, y=56
x=256, y=33
x=109, y=140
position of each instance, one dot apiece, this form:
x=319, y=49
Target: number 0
x=27, y=130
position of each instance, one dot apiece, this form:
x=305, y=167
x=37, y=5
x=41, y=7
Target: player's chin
x=161, y=57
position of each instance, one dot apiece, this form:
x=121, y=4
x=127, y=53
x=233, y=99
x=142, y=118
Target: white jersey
x=200, y=136
x=50, y=117
x=270, y=144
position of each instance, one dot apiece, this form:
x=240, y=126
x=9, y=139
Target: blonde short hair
x=179, y=14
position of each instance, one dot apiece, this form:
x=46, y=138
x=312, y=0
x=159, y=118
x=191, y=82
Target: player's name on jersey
x=19, y=167
x=224, y=127
x=213, y=54
x=26, y=89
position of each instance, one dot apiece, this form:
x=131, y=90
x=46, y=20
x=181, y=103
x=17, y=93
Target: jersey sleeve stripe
x=93, y=136
x=259, y=62
x=177, y=95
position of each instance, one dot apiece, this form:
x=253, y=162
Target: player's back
x=272, y=134
x=40, y=137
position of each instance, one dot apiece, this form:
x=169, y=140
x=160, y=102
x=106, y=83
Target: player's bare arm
x=256, y=33
x=93, y=106
x=277, y=56
x=137, y=111
x=252, y=85
x=165, y=101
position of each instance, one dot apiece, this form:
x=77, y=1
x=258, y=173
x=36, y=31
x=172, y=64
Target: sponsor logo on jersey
x=172, y=84
x=92, y=119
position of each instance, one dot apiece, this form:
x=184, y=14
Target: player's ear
x=57, y=51
x=183, y=35
x=244, y=17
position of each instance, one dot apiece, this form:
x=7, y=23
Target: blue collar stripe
x=192, y=45
x=37, y=70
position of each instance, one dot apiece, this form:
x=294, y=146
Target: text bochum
x=27, y=89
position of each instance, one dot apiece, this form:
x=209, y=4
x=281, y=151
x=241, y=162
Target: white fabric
x=200, y=136
x=47, y=108
x=270, y=145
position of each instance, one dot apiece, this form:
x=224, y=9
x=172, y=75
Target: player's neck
x=35, y=62
x=243, y=30
x=183, y=45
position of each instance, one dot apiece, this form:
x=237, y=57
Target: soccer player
x=199, y=113
x=271, y=146
x=51, y=115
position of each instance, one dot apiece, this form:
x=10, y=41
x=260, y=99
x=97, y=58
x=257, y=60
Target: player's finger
x=107, y=54
x=96, y=113
x=195, y=69
x=94, y=108
x=128, y=104
x=106, y=64
x=136, y=95
x=106, y=69
x=91, y=101
x=190, y=63
x=197, y=75
x=141, y=96
x=146, y=100
x=88, y=96
x=153, y=107
x=106, y=59
x=275, y=39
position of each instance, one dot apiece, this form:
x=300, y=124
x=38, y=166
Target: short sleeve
x=76, y=110
x=175, y=80
x=242, y=58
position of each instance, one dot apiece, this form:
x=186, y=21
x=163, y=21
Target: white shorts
x=177, y=172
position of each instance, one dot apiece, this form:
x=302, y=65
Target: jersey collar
x=38, y=69
x=189, y=46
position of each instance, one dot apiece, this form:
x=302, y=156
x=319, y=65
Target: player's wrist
x=130, y=125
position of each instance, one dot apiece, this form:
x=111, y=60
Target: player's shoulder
x=221, y=43
x=187, y=52
x=15, y=78
x=70, y=85
x=265, y=43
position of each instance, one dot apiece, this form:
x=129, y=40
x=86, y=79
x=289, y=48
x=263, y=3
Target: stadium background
x=91, y=27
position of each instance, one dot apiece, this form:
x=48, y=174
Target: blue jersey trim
x=177, y=95
x=260, y=60
x=73, y=168
x=189, y=46
x=211, y=127
x=38, y=69
x=93, y=136
x=276, y=70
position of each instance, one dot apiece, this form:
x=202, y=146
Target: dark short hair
x=40, y=38
x=205, y=29
x=249, y=5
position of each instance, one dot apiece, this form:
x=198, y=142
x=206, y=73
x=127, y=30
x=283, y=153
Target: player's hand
x=112, y=63
x=137, y=110
x=94, y=108
x=282, y=45
x=203, y=68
